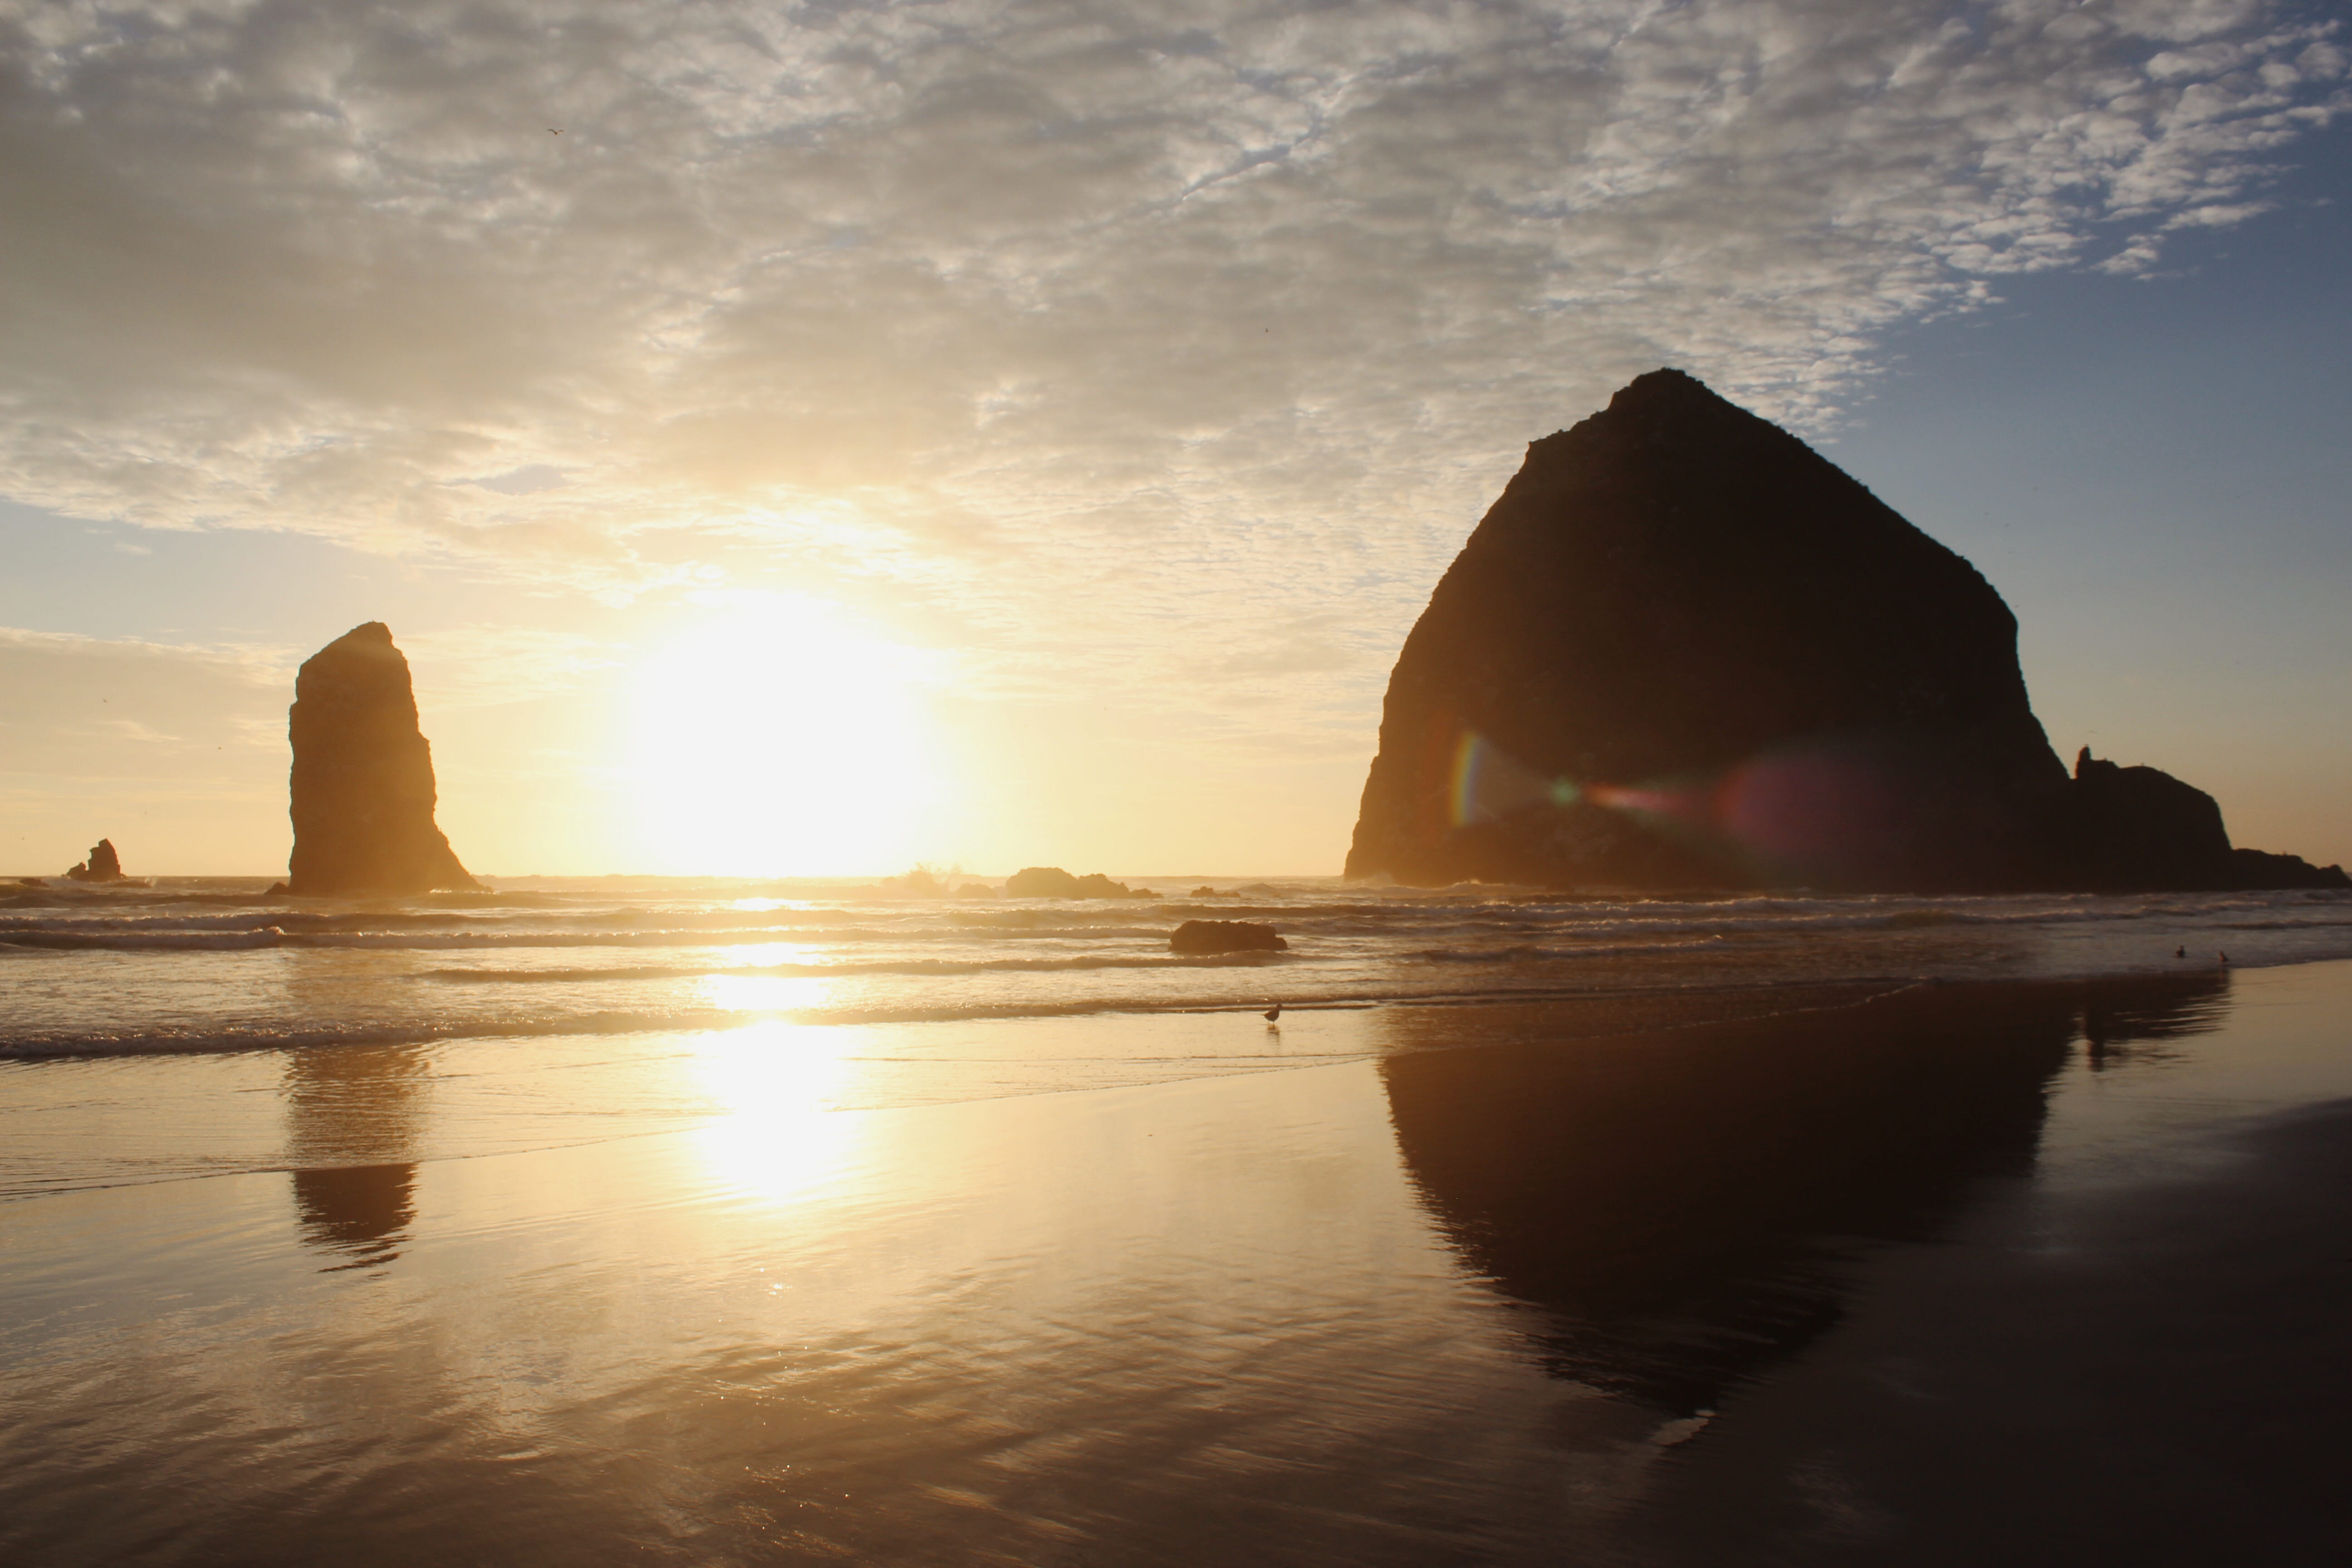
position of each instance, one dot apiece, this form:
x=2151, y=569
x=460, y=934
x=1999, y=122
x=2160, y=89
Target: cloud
x=1038, y=328
x=62, y=695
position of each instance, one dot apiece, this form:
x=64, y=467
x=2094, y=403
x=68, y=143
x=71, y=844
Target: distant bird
x=1274, y=1013
x=2225, y=958
x=2179, y=952
x=552, y=131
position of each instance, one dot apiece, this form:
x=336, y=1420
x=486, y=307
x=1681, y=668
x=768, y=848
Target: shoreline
x=641, y=1082
x=222, y=1043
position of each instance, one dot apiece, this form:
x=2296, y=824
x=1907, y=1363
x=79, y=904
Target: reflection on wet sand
x=363, y=1210
x=351, y=1112
x=1679, y=1205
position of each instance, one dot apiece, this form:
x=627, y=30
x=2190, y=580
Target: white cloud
x=1038, y=328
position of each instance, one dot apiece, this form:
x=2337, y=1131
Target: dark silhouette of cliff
x=1679, y=1205
x=361, y=787
x=2142, y=828
x=1685, y=649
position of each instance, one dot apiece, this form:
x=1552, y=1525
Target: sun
x=777, y=738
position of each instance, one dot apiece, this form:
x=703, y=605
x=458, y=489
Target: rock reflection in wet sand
x=1679, y=1207
x=350, y=1112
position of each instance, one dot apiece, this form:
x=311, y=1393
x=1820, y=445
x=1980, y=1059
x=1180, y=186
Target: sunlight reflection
x=778, y=1083
x=764, y=992
x=772, y=954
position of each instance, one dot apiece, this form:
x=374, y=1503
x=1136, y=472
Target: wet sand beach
x=2035, y=1271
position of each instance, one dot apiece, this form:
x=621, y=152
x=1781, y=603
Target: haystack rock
x=1683, y=649
x=363, y=781
x=103, y=864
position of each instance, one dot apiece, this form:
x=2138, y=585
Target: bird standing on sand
x=2179, y=952
x=2224, y=958
x=1274, y=1013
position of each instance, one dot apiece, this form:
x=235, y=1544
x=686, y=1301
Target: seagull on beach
x=2179, y=952
x=2225, y=959
x=1274, y=1013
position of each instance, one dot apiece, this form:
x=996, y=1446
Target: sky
x=822, y=438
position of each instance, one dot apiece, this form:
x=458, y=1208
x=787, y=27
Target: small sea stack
x=103, y=864
x=361, y=788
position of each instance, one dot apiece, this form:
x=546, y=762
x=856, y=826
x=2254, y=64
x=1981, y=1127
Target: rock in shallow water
x=1195, y=937
x=361, y=787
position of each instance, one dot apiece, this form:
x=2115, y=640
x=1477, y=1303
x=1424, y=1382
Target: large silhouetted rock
x=103, y=864
x=363, y=781
x=1685, y=649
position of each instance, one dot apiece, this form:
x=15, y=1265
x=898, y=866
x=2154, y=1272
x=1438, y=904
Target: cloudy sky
x=825, y=436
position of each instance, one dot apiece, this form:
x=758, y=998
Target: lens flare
x=1805, y=810
x=1486, y=784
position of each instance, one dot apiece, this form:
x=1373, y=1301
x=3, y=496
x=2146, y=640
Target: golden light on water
x=779, y=1137
x=745, y=990
x=764, y=993
x=777, y=737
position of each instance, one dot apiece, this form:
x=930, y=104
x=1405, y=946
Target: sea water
x=553, y=1011
x=721, y=1223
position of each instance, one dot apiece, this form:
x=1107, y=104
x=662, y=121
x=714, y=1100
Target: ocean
x=579, y=997
x=696, y=1222
x=209, y=965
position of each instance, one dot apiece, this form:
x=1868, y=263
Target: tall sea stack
x=1683, y=649
x=362, y=794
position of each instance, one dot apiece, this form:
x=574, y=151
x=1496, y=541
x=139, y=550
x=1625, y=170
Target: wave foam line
x=700, y=1021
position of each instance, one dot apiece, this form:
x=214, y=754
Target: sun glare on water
x=779, y=1137
x=778, y=739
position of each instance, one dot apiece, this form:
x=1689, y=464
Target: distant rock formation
x=2144, y=829
x=919, y=883
x=1053, y=882
x=103, y=864
x=1683, y=649
x=361, y=787
x=1225, y=936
